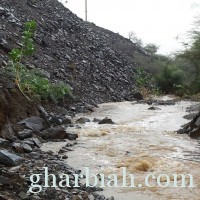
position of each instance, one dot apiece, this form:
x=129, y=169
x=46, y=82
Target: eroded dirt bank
x=144, y=142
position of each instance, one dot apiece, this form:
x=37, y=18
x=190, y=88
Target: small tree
x=151, y=49
x=132, y=36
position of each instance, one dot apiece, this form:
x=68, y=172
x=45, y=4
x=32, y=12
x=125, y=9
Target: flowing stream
x=144, y=142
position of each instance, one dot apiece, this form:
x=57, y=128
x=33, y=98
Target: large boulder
x=192, y=128
x=106, y=121
x=34, y=123
x=9, y=159
x=57, y=133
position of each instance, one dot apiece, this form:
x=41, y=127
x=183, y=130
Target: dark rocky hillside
x=95, y=62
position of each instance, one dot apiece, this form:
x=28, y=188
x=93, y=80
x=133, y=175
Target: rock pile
x=96, y=63
x=192, y=128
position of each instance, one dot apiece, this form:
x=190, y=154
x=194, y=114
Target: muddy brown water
x=144, y=142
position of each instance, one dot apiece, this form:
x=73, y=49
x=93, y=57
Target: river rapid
x=142, y=141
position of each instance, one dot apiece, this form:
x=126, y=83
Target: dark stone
x=54, y=133
x=82, y=120
x=26, y=133
x=106, y=121
x=9, y=159
x=64, y=157
x=56, y=120
x=33, y=123
x=67, y=120
x=154, y=108
x=30, y=142
x=26, y=148
x=71, y=136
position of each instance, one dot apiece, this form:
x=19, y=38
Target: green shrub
x=145, y=82
x=170, y=79
x=31, y=82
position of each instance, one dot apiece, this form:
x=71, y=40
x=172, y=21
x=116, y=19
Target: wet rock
x=9, y=159
x=56, y=120
x=54, y=133
x=71, y=136
x=64, y=157
x=154, y=108
x=89, y=107
x=192, y=128
x=73, y=109
x=106, y=121
x=33, y=123
x=67, y=120
x=26, y=133
x=195, y=133
x=82, y=120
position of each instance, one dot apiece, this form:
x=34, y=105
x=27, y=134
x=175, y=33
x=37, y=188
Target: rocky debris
x=96, y=63
x=9, y=159
x=106, y=121
x=15, y=181
x=60, y=119
x=155, y=102
x=82, y=120
x=192, y=128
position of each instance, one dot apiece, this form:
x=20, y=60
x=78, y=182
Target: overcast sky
x=154, y=21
